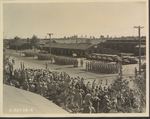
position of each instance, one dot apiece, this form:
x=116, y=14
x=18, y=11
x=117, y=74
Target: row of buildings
x=87, y=46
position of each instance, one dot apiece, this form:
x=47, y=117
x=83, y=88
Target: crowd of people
x=90, y=65
x=66, y=60
x=60, y=60
x=102, y=67
x=74, y=94
x=41, y=56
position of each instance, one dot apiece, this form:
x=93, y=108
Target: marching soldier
x=81, y=62
x=46, y=65
x=135, y=71
x=99, y=67
x=90, y=65
x=86, y=65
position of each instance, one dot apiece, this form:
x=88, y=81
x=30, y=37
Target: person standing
x=81, y=62
x=46, y=65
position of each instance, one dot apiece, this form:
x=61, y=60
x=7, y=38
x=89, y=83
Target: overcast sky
x=91, y=19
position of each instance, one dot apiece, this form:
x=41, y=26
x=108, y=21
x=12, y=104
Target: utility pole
x=50, y=36
x=139, y=35
x=120, y=64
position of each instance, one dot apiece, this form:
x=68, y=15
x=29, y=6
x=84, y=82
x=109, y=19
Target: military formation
x=41, y=56
x=102, y=67
x=66, y=61
x=90, y=65
x=60, y=60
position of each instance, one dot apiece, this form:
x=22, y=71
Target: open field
x=30, y=62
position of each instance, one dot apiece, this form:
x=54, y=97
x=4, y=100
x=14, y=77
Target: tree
x=101, y=36
x=16, y=38
x=13, y=43
x=34, y=41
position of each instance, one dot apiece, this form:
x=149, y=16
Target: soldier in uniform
x=135, y=71
x=95, y=67
x=46, y=65
x=99, y=67
x=116, y=68
x=76, y=62
x=102, y=67
x=88, y=66
x=107, y=68
x=92, y=66
x=81, y=62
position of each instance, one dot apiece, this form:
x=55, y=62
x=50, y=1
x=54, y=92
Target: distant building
x=125, y=44
x=68, y=49
x=82, y=46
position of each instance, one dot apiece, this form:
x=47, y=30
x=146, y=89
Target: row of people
x=102, y=67
x=66, y=61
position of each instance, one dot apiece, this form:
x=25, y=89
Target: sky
x=66, y=19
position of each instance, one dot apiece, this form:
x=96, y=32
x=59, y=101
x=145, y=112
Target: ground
x=128, y=70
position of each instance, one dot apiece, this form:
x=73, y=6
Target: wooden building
x=68, y=49
x=124, y=45
x=106, y=45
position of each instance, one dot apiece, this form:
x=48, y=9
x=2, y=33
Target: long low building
x=68, y=49
x=18, y=101
x=102, y=46
x=126, y=45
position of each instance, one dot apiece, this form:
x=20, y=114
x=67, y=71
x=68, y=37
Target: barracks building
x=68, y=49
x=109, y=46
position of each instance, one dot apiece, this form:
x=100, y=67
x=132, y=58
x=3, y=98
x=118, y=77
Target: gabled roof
x=80, y=46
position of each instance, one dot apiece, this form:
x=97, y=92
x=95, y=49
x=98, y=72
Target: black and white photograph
x=75, y=58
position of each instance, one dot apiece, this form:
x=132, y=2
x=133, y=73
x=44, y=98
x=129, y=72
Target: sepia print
x=75, y=58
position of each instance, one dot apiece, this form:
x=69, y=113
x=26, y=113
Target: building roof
x=80, y=40
x=130, y=38
x=80, y=46
x=45, y=41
